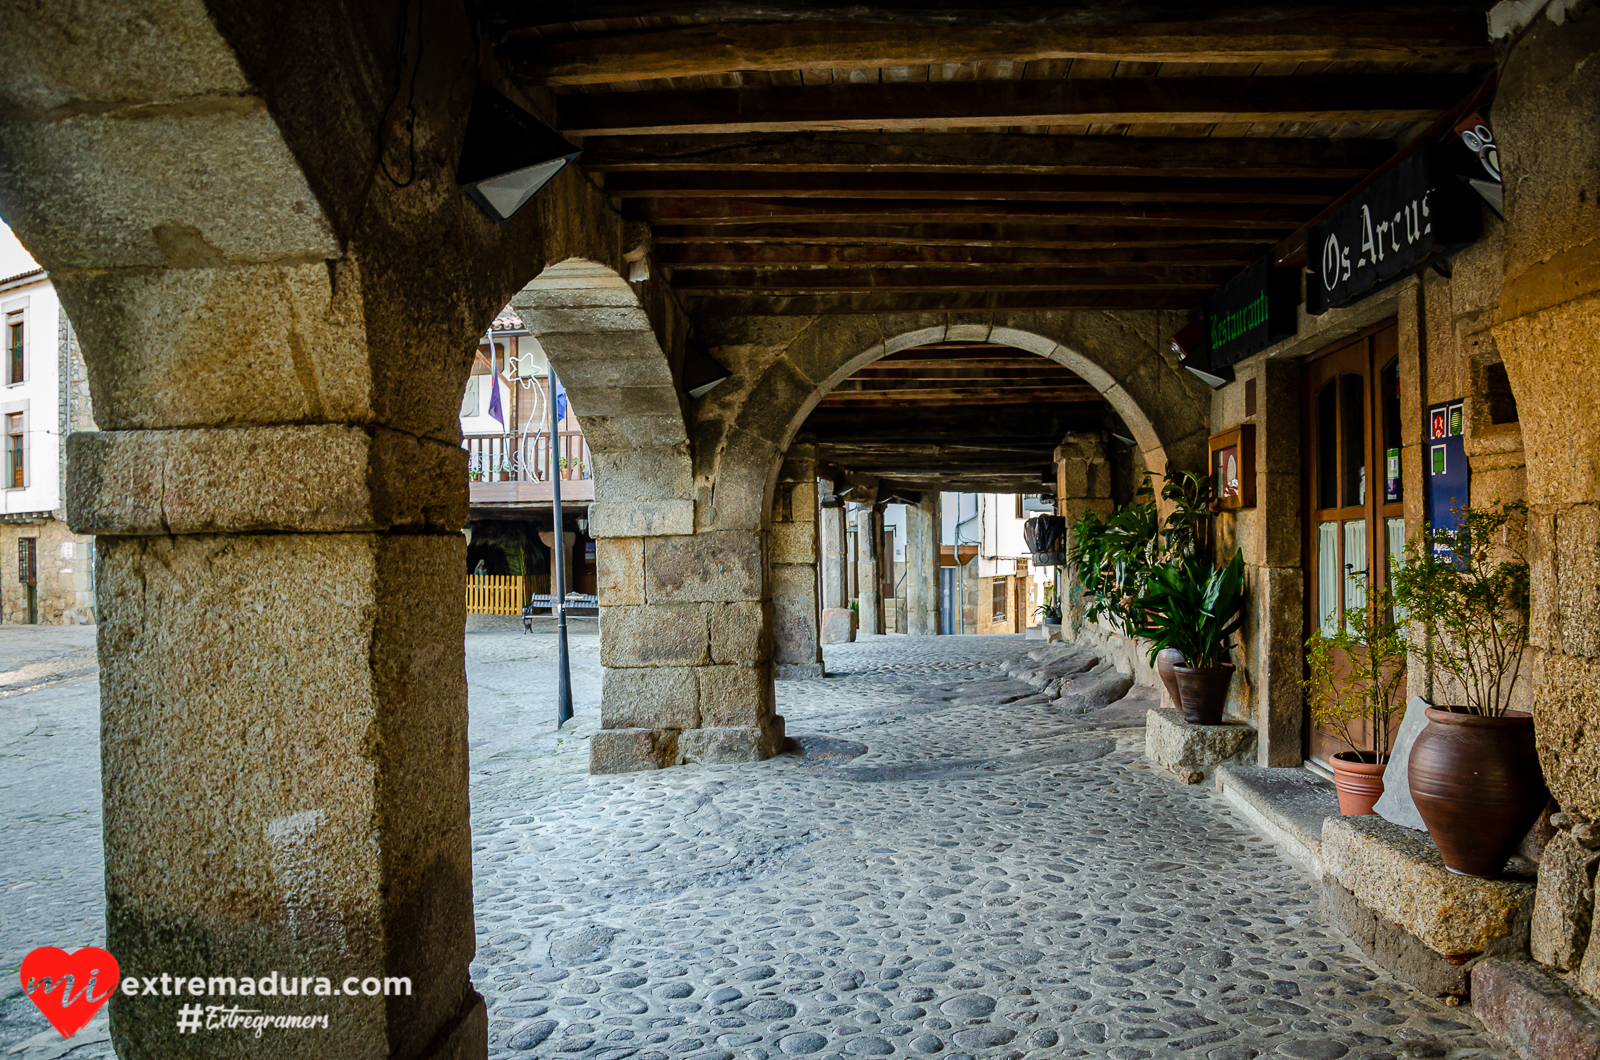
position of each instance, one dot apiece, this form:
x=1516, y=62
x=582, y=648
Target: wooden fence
x=495, y=594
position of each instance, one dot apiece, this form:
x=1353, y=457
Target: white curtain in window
x=1355, y=563
x=1328, y=576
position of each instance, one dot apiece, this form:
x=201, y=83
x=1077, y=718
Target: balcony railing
x=521, y=456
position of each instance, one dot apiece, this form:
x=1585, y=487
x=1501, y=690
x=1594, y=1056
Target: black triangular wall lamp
x=508, y=155
x=701, y=373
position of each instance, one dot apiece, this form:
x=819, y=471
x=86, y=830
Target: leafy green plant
x=1193, y=607
x=1469, y=589
x=1356, y=673
x=1115, y=555
x=1191, y=496
x=1050, y=610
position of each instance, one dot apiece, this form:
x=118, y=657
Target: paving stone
x=950, y=867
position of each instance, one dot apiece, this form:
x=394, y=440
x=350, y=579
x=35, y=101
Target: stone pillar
x=688, y=671
x=852, y=557
x=1276, y=645
x=922, y=562
x=869, y=542
x=283, y=703
x=796, y=636
x=1547, y=122
x=835, y=557
x=1083, y=484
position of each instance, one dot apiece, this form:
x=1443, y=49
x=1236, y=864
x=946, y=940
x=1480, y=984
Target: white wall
x=37, y=397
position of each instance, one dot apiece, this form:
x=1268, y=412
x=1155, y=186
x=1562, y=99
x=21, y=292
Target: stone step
x=1193, y=751
x=1289, y=805
x=1535, y=1011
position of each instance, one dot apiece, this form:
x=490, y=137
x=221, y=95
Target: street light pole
x=564, y=678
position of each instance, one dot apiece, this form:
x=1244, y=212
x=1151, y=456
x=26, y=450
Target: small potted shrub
x=1357, y=671
x=1191, y=606
x=1474, y=770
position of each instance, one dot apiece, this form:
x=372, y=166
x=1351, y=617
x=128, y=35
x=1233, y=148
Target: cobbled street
x=949, y=867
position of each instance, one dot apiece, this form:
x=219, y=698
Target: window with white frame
x=16, y=348
x=16, y=450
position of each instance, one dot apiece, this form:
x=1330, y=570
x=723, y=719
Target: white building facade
x=46, y=571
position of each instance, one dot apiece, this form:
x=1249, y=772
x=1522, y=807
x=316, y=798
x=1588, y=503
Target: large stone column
x=1547, y=122
x=796, y=633
x=922, y=562
x=1083, y=484
x=869, y=543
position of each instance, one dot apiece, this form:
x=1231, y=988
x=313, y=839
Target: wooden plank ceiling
x=836, y=156
x=967, y=416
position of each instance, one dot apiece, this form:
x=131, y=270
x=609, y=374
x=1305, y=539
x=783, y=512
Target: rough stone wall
x=1546, y=329
x=65, y=591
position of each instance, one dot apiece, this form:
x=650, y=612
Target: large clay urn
x=1203, y=692
x=1478, y=785
x=1166, y=659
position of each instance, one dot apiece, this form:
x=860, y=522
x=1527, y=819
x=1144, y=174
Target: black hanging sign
x=1415, y=214
x=1251, y=312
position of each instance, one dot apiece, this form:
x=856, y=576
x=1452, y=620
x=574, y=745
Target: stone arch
x=611, y=357
x=1122, y=356
x=277, y=339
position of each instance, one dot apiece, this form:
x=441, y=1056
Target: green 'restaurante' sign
x=1253, y=311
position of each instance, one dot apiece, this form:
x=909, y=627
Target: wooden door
x=1355, y=515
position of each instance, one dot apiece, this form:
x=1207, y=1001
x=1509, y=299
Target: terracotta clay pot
x=1203, y=692
x=1358, y=780
x=1166, y=659
x=1478, y=785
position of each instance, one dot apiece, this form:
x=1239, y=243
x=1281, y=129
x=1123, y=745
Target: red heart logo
x=66, y=986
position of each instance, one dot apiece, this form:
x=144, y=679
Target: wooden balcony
x=512, y=470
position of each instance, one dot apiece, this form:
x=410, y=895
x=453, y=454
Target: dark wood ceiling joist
x=708, y=50
x=512, y=15
x=731, y=211
x=891, y=281
x=868, y=301
x=695, y=257
x=976, y=104
x=999, y=154
x=1045, y=236
x=975, y=187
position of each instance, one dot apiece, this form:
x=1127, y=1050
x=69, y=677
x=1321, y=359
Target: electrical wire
x=411, y=99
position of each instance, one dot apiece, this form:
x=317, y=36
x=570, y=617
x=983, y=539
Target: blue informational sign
x=1446, y=461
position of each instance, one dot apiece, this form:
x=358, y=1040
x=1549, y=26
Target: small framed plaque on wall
x=1233, y=467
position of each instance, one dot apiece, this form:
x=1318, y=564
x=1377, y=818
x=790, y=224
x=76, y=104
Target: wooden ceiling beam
x=941, y=302
x=997, y=153
x=976, y=104
x=1038, y=235
x=725, y=212
x=823, y=281
x=973, y=187
x=697, y=257
x=710, y=50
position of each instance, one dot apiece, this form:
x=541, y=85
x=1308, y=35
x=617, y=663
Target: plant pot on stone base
x=1357, y=671
x=1194, y=609
x=1474, y=771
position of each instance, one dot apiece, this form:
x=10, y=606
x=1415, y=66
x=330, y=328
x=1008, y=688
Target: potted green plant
x=1049, y=612
x=1356, y=673
x=1195, y=608
x=1474, y=770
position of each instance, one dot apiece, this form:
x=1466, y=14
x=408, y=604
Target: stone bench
x=1387, y=888
x=1193, y=751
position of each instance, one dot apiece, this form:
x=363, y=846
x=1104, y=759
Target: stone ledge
x=1192, y=751
x=1289, y=805
x=317, y=478
x=1534, y=1011
x=1399, y=875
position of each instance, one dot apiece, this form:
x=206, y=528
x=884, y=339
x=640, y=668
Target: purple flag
x=494, y=400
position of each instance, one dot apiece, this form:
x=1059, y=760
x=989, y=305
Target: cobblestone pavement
x=951, y=868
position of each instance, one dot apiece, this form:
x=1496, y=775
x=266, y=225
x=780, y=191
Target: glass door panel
x=1355, y=518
